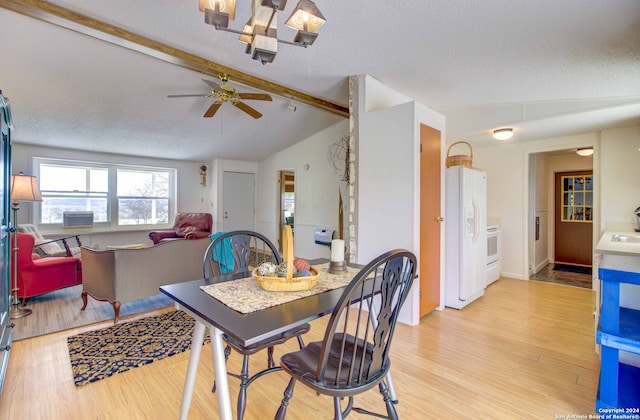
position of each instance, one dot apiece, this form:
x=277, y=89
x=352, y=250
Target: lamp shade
x=24, y=188
x=306, y=17
x=503, y=133
x=587, y=151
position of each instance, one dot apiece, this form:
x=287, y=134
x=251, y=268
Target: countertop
x=607, y=246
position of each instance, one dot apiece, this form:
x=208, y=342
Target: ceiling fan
x=224, y=92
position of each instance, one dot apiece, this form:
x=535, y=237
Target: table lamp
x=24, y=189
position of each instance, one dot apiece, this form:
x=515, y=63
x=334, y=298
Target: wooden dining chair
x=240, y=252
x=353, y=357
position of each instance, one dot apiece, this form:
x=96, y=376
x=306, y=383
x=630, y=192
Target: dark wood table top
x=253, y=327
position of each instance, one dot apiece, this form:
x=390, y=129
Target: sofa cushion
x=50, y=248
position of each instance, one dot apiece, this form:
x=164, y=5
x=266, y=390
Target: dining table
x=245, y=328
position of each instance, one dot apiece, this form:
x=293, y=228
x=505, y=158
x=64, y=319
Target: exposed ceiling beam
x=77, y=22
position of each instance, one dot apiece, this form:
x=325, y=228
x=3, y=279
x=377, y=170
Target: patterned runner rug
x=102, y=353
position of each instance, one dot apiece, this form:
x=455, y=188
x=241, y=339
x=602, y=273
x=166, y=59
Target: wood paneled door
x=573, y=218
x=430, y=218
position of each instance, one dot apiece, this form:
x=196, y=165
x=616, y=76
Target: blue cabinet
x=618, y=330
x=6, y=325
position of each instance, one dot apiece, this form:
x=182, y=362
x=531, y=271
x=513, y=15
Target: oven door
x=493, y=246
x=493, y=254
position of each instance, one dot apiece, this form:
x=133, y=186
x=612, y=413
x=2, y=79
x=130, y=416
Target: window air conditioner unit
x=77, y=219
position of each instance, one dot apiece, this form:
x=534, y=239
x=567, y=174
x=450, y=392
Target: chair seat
x=269, y=341
x=303, y=365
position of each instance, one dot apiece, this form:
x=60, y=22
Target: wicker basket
x=460, y=160
x=288, y=283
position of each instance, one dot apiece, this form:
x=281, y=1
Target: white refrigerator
x=465, y=235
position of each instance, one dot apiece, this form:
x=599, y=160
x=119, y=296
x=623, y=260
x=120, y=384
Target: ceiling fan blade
x=212, y=110
x=188, y=96
x=255, y=96
x=246, y=108
x=213, y=85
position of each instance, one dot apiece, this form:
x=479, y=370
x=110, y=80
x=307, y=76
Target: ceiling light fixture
x=503, y=133
x=260, y=32
x=586, y=151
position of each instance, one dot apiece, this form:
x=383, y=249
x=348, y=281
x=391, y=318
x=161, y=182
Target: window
x=143, y=197
x=118, y=195
x=577, y=198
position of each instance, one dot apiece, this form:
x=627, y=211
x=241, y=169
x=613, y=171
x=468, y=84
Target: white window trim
x=112, y=196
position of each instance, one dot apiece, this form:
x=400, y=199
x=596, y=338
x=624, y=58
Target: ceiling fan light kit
x=223, y=93
x=503, y=133
x=260, y=31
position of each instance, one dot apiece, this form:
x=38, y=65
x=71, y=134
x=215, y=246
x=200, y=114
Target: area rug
x=572, y=268
x=102, y=353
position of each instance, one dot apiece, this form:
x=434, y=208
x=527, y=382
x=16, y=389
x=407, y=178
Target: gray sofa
x=125, y=275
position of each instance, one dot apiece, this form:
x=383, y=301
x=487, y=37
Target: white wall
x=388, y=172
x=506, y=200
x=386, y=181
x=620, y=182
x=192, y=197
x=541, y=245
x=316, y=191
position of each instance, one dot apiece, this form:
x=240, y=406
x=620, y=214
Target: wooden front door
x=430, y=218
x=573, y=218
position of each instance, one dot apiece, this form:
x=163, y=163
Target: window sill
x=98, y=230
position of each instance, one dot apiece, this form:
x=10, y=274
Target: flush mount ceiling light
x=586, y=151
x=503, y=133
x=260, y=32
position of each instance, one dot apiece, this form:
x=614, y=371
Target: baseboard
x=512, y=276
x=542, y=265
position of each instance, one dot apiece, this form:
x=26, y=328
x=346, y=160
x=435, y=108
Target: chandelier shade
x=306, y=17
x=260, y=33
x=222, y=6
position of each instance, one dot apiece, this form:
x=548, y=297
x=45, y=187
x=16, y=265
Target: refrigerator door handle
x=476, y=225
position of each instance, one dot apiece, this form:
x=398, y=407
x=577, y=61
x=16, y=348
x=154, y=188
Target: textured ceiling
x=546, y=68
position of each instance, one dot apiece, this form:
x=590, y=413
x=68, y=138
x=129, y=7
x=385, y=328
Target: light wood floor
x=523, y=351
x=60, y=310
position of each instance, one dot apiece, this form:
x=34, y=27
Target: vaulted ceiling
x=96, y=75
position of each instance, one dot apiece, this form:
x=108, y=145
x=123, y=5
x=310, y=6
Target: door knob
x=439, y=219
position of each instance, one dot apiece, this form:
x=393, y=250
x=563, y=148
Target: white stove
x=494, y=234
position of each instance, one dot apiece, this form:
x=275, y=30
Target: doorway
x=541, y=216
x=287, y=201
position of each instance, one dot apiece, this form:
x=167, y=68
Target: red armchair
x=37, y=276
x=185, y=226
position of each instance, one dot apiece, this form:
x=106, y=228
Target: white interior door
x=238, y=191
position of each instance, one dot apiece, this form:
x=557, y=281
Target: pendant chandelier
x=260, y=33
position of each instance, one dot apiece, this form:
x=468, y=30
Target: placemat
x=245, y=296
